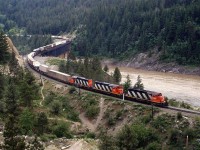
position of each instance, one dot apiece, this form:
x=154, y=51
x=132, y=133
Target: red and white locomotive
x=101, y=87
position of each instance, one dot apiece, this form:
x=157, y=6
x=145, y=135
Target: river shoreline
x=144, y=62
x=181, y=87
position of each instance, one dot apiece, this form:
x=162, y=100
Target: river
x=180, y=87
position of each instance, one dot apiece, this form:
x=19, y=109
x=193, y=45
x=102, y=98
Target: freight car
x=99, y=87
x=63, y=77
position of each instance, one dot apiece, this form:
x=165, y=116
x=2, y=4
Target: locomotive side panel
x=139, y=94
x=80, y=81
x=103, y=86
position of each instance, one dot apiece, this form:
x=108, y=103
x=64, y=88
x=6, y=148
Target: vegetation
x=4, y=54
x=25, y=44
x=127, y=84
x=89, y=68
x=117, y=75
x=113, y=28
x=139, y=85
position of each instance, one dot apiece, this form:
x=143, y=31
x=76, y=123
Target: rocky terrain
x=151, y=62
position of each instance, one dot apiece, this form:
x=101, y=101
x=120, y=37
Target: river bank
x=174, y=86
x=144, y=62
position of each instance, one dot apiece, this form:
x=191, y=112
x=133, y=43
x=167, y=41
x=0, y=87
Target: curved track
x=169, y=107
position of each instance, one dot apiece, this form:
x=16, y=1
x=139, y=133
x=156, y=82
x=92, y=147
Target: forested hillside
x=114, y=28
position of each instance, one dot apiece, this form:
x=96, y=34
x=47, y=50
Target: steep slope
x=15, y=51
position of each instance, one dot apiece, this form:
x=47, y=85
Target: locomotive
x=96, y=86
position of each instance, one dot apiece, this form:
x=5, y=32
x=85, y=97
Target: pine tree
x=4, y=54
x=26, y=121
x=13, y=64
x=28, y=89
x=117, y=75
x=11, y=139
x=127, y=84
x=139, y=84
x=42, y=122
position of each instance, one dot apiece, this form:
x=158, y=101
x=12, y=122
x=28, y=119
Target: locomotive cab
x=157, y=98
x=117, y=90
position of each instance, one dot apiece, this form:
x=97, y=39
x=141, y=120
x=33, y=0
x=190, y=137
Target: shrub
x=47, y=137
x=62, y=130
x=72, y=115
x=174, y=135
x=92, y=111
x=185, y=105
x=49, y=98
x=173, y=102
x=55, y=108
x=119, y=114
x=179, y=116
x=72, y=90
x=90, y=135
x=162, y=122
x=111, y=121
x=154, y=146
x=146, y=119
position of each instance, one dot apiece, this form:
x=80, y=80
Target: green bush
x=56, y=108
x=47, y=137
x=90, y=135
x=163, y=122
x=179, y=116
x=146, y=119
x=49, y=98
x=185, y=105
x=173, y=102
x=72, y=90
x=62, y=130
x=92, y=111
x=119, y=114
x=72, y=115
x=111, y=121
x=174, y=136
x=154, y=146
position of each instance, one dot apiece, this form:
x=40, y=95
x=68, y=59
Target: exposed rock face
x=151, y=62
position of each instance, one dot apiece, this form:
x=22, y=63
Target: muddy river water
x=180, y=87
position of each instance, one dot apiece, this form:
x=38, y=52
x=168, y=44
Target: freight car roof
x=60, y=72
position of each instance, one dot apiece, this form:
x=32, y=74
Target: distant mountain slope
x=115, y=28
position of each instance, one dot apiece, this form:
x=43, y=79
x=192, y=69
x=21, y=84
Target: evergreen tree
x=117, y=75
x=106, y=69
x=139, y=84
x=4, y=54
x=28, y=89
x=13, y=64
x=42, y=122
x=26, y=121
x=12, y=141
x=127, y=84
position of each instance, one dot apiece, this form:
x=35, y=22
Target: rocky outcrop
x=151, y=61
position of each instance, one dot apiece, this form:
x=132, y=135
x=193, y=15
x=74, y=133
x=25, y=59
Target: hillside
x=113, y=28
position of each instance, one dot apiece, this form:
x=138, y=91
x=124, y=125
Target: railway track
x=188, y=111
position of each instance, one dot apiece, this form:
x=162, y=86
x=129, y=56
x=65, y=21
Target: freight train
x=144, y=96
